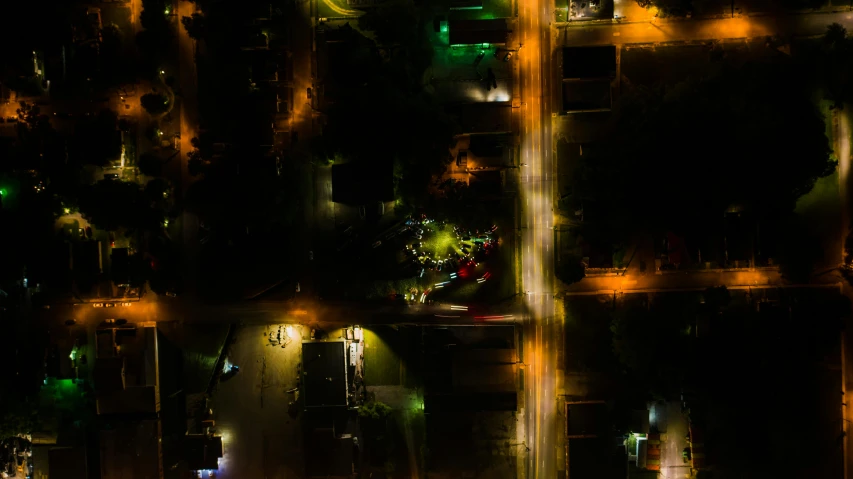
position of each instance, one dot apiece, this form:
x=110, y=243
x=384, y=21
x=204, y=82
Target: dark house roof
x=359, y=184
x=324, y=373
x=472, y=32
x=202, y=451
x=589, y=62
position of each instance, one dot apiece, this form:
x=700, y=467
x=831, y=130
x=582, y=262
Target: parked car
x=507, y=56
x=380, y=208
x=98, y=305
x=111, y=176
x=377, y=244
x=109, y=305
x=362, y=212
x=171, y=294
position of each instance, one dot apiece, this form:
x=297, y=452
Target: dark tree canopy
x=97, y=140
x=155, y=103
x=150, y=164
x=680, y=157
x=112, y=204
x=386, y=95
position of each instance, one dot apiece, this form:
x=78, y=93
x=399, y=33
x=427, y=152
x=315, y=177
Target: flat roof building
x=587, y=74
x=589, y=62
x=126, y=375
x=202, y=451
x=473, y=32
x=131, y=450
x=324, y=373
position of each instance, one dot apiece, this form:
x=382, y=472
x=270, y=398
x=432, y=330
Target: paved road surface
x=695, y=30
x=541, y=329
x=188, y=81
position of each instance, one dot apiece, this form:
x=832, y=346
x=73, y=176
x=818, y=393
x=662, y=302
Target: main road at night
x=585, y=33
x=542, y=329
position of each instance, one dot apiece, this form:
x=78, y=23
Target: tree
x=381, y=90
x=155, y=103
x=194, y=25
x=736, y=115
x=570, y=270
x=150, y=164
x=800, y=252
x=97, y=140
x=111, y=204
x=835, y=67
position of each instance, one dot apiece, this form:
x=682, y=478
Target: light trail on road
x=541, y=328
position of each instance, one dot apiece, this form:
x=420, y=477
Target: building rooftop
x=126, y=371
x=67, y=463
x=324, y=373
x=202, y=452
x=597, y=458
x=132, y=450
x=472, y=32
x=589, y=62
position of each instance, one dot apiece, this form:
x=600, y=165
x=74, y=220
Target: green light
x=2, y=191
x=444, y=27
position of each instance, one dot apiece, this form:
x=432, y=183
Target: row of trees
x=382, y=112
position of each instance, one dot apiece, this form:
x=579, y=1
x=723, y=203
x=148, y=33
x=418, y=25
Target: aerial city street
x=405, y=239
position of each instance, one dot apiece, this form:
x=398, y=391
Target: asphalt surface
x=578, y=34
x=188, y=81
x=260, y=439
x=542, y=330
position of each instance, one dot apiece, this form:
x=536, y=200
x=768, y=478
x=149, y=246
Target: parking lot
x=260, y=428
